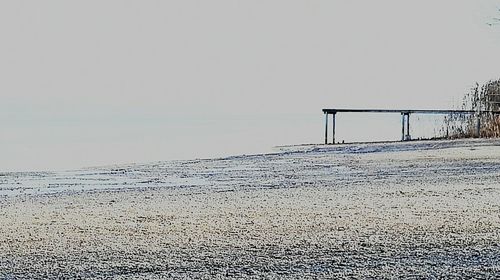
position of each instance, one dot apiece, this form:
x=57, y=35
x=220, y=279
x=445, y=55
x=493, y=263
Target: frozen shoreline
x=416, y=209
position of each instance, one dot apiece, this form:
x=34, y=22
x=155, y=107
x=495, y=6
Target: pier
x=405, y=118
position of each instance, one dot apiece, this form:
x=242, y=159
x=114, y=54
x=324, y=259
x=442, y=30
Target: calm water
x=61, y=145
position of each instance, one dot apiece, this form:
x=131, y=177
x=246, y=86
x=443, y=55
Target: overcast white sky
x=87, y=83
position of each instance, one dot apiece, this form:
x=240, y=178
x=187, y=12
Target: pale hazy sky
x=87, y=83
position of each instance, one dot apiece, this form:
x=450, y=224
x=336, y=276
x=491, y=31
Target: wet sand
x=414, y=210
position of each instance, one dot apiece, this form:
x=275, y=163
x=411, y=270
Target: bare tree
x=495, y=20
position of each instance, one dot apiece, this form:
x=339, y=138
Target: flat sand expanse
x=419, y=210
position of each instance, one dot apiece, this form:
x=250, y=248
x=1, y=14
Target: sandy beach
x=418, y=210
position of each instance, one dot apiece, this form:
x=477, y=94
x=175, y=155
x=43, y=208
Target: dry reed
x=481, y=98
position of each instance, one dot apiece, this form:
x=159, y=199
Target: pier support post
x=326, y=128
x=333, y=127
x=402, y=127
x=478, y=128
x=408, y=137
x=405, y=126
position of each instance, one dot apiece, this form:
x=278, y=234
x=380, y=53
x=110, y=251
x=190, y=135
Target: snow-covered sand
x=389, y=210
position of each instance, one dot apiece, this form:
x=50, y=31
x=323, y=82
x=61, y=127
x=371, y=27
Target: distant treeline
x=481, y=98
